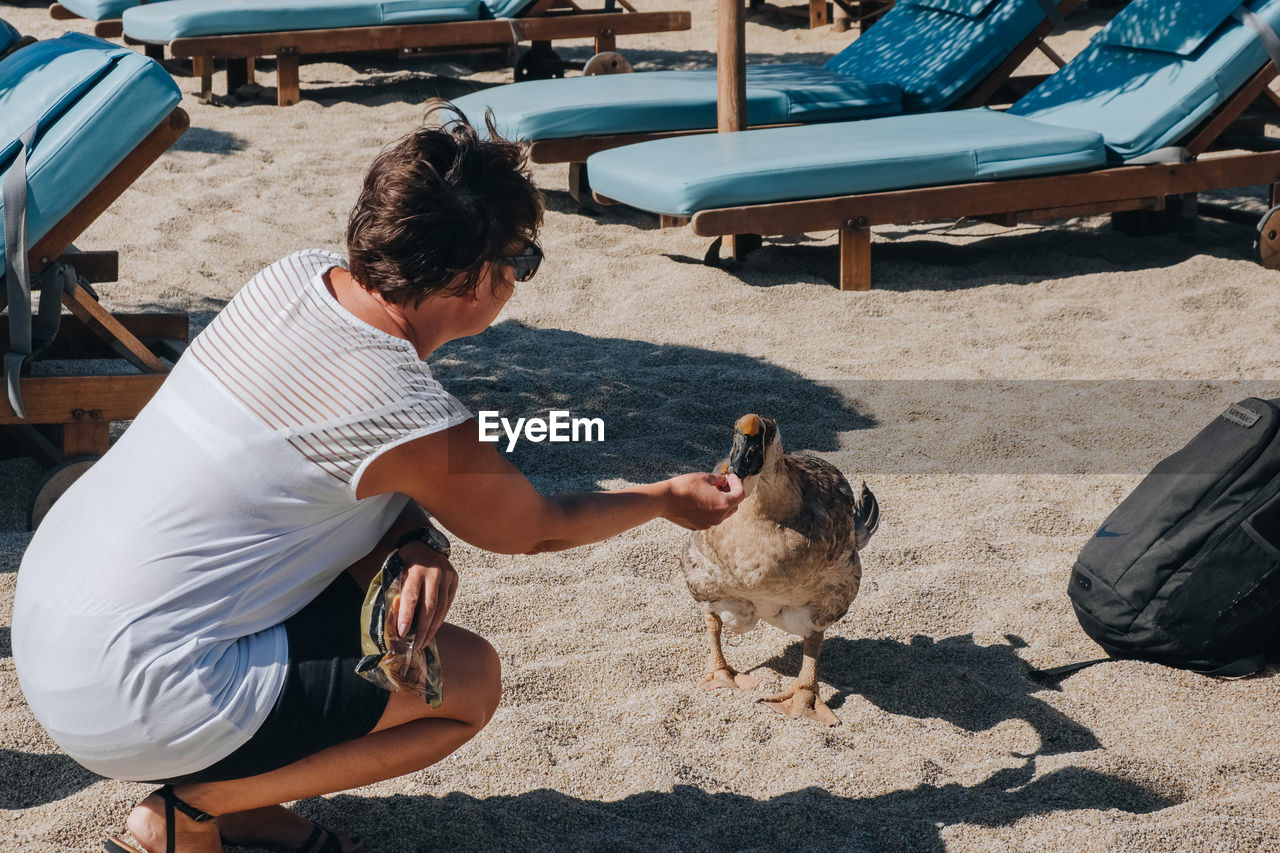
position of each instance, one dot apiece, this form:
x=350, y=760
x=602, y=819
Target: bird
x=787, y=556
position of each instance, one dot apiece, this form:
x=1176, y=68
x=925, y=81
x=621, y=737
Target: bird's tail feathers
x=866, y=512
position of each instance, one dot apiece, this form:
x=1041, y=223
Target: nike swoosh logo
x=1104, y=533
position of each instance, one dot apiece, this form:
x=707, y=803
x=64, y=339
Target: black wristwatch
x=427, y=535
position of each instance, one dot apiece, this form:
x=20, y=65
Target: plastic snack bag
x=389, y=659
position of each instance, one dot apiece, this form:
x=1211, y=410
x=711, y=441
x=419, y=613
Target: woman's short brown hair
x=436, y=206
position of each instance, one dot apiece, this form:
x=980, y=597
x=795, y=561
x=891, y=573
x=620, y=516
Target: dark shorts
x=323, y=701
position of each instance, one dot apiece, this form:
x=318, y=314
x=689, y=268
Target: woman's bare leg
x=409, y=736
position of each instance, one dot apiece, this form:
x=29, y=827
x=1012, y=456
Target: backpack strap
x=1054, y=674
x=1238, y=668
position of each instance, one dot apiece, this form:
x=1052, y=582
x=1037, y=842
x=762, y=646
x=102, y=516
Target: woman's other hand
x=430, y=584
x=699, y=501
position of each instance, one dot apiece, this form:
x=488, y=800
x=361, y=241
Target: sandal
x=321, y=840
x=171, y=803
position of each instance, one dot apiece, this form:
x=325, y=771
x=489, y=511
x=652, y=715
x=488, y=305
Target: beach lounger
x=922, y=56
x=80, y=120
x=1095, y=137
x=244, y=29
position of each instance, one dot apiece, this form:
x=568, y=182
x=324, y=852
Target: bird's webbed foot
x=728, y=677
x=801, y=701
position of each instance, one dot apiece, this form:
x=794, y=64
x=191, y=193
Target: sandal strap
x=171, y=802
x=321, y=840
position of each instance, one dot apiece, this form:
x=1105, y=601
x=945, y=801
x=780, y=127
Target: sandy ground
x=1000, y=390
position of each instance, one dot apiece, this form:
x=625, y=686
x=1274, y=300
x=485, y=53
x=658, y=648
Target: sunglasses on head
x=526, y=263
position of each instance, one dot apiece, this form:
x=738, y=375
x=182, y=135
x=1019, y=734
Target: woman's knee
x=471, y=665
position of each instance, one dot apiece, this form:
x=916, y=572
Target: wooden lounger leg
x=739, y=245
x=288, y=92
x=855, y=258
x=665, y=221
x=239, y=73
x=579, y=184
x=91, y=438
x=817, y=13
x=202, y=67
x=840, y=20
x=606, y=40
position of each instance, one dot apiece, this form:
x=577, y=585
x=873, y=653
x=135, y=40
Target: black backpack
x=1186, y=570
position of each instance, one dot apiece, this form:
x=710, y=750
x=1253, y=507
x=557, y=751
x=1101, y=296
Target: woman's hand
x=430, y=584
x=699, y=501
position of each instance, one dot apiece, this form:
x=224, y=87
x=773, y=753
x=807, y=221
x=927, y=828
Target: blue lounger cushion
x=682, y=175
x=1144, y=99
x=99, y=10
x=675, y=100
x=164, y=22
x=95, y=102
x=915, y=59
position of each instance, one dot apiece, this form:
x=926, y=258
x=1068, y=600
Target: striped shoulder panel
x=334, y=387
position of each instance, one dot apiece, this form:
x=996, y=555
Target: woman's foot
x=281, y=829
x=148, y=827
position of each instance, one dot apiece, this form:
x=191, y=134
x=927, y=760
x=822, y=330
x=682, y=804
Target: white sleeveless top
x=147, y=620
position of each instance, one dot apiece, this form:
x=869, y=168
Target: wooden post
x=855, y=257
x=288, y=91
x=606, y=40
x=731, y=67
x=731, y=75
x=840, y=20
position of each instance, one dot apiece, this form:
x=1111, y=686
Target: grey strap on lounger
x=51, y=283
x=16, y=275
x=1270, y=40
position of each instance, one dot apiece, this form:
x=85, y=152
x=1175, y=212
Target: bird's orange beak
x=747, y=454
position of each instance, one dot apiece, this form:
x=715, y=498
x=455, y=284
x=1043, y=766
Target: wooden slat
x=75, y=399
x=1231, y=110
x=94, y=267
x=112, y=331
x=453, y=34
x=61, y=13
x=75, y=339
x=112, y=29
x=56, y=241
x=1117, y=185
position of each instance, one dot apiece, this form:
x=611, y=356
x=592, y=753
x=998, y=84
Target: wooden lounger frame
x=1000, y=86
x=545, y=21
x=1108, y=190
x=85, y=405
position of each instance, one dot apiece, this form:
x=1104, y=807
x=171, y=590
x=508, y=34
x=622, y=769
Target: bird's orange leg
x=802, y=699
x=719, y=673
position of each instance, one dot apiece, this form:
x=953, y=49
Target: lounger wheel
x=1269, y=239
x=607, y=62
x=539, y=62
x=53, y=484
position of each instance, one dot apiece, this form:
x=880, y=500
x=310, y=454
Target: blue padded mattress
x=674, y=100
x=99, y=10
x=94, y=102
x=163, y=22
x=916, y=59
x=1154, y=73
x=683, y=175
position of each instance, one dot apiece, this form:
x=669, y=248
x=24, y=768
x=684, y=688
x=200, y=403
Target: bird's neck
x=776, y=494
